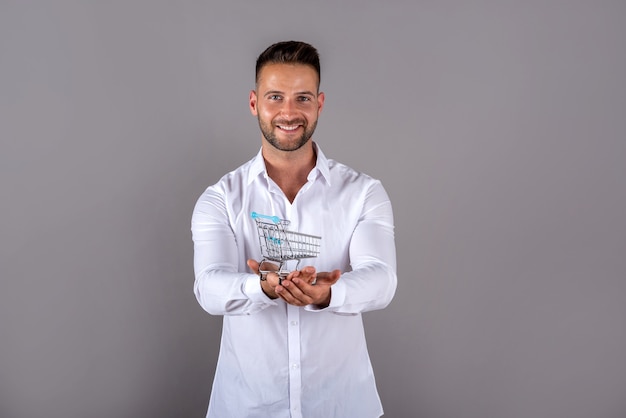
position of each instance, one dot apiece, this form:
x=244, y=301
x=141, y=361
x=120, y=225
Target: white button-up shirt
x=278, y=360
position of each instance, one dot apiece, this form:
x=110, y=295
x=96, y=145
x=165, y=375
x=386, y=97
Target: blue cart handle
x=274, y=219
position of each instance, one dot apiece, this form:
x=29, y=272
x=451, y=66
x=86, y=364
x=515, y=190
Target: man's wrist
x=267, y=288
x=326, y=302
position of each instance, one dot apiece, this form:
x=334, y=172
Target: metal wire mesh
x=281, y=245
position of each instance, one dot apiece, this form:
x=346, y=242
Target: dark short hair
x=289, y=52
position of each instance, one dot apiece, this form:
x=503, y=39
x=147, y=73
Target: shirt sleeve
x=372, y=282
x=219, y=287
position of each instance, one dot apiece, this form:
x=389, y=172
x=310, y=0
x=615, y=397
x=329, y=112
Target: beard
x=270, y=136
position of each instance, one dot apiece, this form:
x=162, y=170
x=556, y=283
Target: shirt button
x=294, y=323
x=294, y=366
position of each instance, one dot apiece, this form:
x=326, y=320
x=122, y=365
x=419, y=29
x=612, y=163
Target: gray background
x=498, y=129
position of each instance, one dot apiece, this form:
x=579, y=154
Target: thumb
x=254, y=265
x=328, y=278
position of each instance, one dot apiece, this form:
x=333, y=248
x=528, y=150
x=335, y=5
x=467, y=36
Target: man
x=294, y=346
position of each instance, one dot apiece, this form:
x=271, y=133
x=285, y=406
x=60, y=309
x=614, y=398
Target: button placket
x=294, y=361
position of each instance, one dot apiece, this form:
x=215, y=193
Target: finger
x=267, y=266
x=273, y=279
x=308, y=270
x=285, y=295
x=292, y=288
x=293, y=274
x=293, y=294
x=254, y=265
x=311, y=294
x=310, y=291
x=309, y=274
x=303, y=284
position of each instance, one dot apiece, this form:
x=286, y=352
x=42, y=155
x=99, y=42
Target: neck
x=289, y=169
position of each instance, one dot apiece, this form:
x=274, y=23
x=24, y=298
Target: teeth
x=288, y=128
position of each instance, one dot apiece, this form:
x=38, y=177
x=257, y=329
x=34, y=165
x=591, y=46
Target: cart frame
x=281, y=245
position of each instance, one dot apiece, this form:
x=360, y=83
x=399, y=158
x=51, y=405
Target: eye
x=304, y=98
x=274, y=97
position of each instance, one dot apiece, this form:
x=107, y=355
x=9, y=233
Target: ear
x=320, y=102
x=252, y=101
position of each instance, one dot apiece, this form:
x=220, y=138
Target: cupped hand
x=306, y=287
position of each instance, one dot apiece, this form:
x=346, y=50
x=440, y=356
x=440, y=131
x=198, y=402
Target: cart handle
x=274, y=219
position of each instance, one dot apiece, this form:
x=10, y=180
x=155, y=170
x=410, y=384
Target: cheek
x=266, y=118
x=266, y=115
x=267, y=111
x=313, y=114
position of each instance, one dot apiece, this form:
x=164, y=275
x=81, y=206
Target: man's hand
x=269, y=284
x=306, y=287
x=301, y=287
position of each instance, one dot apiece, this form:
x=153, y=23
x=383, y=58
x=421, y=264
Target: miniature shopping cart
x=281, y=245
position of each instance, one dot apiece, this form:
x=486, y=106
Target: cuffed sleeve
x=219, y=287
x=372, y=282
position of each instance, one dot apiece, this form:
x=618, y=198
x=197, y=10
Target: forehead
x=287, y=76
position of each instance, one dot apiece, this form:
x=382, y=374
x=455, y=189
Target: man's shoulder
x=242, y=171
x=238, y=174
x=233, y=181
x=344, y=173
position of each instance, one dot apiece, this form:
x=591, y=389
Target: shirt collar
x=257, y=166
x=321, y=166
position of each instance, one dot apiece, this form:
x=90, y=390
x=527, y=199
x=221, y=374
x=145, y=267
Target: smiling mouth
x=288, y=127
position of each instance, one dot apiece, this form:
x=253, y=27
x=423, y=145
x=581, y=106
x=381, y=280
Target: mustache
x=290, y=122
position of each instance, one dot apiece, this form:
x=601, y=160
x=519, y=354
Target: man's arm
x=372, y=282
x=219, y=286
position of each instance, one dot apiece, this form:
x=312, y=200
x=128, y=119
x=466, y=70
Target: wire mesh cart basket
x=281, y=245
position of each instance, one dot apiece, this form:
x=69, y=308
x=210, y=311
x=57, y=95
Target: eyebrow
x=299, y=93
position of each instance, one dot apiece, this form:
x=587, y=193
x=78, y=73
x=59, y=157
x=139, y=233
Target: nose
x=288, y=108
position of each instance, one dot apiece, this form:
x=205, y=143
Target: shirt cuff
x=252, y=289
